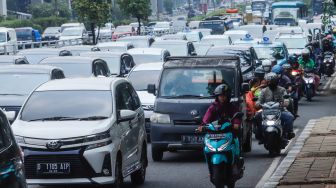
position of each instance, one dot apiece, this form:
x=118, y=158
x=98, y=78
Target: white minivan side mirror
x=10, y=115
x=126, y=115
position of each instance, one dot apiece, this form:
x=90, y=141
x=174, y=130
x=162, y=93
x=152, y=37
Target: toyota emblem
x=54, y=145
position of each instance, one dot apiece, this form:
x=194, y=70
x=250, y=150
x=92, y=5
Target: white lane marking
x=274, y=165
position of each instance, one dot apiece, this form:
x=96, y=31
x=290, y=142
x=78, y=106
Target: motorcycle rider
x=307, y=63
x=288, y=82
x=274, y=92
x=327, y=44
x=222, y=110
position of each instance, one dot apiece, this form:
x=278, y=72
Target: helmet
x=267, y=65
x=286, y=66
x=222, y=89
x=334, y=30
x=329, y=37
x=259, y=72
x=277, y=69
x=291, y=59
x=271, y=76
x=305, y=53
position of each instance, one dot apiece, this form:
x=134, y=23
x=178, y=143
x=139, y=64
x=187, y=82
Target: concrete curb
x=333, y=84
x=291, y=156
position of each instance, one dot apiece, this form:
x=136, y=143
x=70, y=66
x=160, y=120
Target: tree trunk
x=139, y=21
x=93, y=33
x=97, y=39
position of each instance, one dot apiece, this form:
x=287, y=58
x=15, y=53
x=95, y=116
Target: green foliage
x=96, y=12
x=40, y=10
x=50, y=21
x=139, y=9
x=168, y=4
x=20, y=23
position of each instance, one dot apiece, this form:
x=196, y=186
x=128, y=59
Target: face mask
x=273, y=85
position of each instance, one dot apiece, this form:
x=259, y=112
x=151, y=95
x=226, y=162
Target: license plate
x=192, y=139
x=53, y=168
x=216, y=136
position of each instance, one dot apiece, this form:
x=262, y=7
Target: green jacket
x=310, y=64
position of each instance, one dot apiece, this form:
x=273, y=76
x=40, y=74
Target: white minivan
x=8, y=40
x=83, y=131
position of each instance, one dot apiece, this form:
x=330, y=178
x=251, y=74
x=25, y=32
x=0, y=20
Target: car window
x=124, y=98
x=5, y=139
x=136, y=100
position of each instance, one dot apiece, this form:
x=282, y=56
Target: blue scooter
x=222, y=150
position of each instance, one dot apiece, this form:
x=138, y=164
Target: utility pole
x=157, y=10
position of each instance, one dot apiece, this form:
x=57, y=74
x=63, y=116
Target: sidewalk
x=314, y=163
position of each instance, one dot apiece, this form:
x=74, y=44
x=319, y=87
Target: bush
x=49, y=22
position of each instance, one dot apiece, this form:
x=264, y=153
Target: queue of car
x=106, y=102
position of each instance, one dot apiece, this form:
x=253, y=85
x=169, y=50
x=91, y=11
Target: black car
x=18, y=81
x=12, y=173
x=172, y=125
x=248, y=58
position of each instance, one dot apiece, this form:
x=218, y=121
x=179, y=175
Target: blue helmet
x=277, y=69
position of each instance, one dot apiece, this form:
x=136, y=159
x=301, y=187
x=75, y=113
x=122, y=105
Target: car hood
x=161, y=28
x=12, y=100
x=59, y=129
x=146, y=98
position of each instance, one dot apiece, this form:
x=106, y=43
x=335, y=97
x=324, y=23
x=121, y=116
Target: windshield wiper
x=57, y=118
x=93, y=118
x=142, y=90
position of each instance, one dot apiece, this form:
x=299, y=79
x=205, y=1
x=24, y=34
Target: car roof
x=10, y=58
x=203, y=61
x=170, y=42
x=273, y=44
x=77, y=47
x=129, y=38
x=5, y=29
x=34, y=69
x=108, y=44
x=154, y=51
x=67, y=59
x=101, y=54
x=216, y=37
x=92, y=83
x=289, y=35
x=235, y=32
x=39, y=51
x=148, y=66
x=231, y=47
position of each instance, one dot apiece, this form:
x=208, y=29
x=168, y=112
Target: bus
x=317, y=7
x=259, y=5
x=288, y=12
x=217, y=25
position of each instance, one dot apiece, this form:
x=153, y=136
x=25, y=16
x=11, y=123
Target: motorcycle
x=309, y=84
x=328, y=63
x=273, y=137
x=221, y=153
x=297, y=74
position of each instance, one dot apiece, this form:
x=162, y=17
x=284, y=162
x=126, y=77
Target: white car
x=92, y=132
x=140, y=76
x=148, y=55
x=295, y=43
x=74, y=33
x=115, y=46
x=211, y=40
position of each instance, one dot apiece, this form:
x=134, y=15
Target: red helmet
x=329, y=37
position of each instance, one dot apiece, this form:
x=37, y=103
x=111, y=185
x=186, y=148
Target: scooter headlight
x=294, y=73
x=224, y=146
x=310, y=81
x=208, y=145
x=270, y=123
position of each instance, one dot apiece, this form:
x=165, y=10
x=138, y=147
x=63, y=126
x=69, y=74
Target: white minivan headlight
x=20, y=139
x=160, y=118
x=98, y=140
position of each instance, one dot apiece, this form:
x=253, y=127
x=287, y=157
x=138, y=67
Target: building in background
x=3, y=8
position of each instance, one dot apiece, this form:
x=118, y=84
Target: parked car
x=140, y=76
x=176, y=47
x=148, y=55
x=236, y=34
x=8, y=41
x=75, y=66
x=162, y=28
x=75, y=33
x=115, y=46
x=26, y=35
x=211, y=40
x=51, y=33
x=182, y=90
x=68, y=25
x=12, y=174
x=34, y=56
x=119, y=64
x=13, y=60
x=138, y=41
x=248, y=58
x=123, y=31
x=78, y=49
x=93, y=132
x=17, y=82
x=177, y=36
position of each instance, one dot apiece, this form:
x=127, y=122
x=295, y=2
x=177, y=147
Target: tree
x=96, y=13
x=168, y=4
x=42, y=10
x=139, y=9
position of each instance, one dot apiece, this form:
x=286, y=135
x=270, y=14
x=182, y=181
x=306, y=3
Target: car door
x=124, y=102
x=138, y=125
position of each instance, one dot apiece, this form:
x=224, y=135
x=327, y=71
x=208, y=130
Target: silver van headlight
x=160, y=118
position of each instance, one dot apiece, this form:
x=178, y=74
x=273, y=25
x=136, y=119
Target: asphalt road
x=188, y=169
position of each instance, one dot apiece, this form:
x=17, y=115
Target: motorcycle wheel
x=309, y=94
x=218, y=176
x=232, y=184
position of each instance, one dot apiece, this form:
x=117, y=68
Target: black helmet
x=259, y=73
x=222, y=89
x=305, y=53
